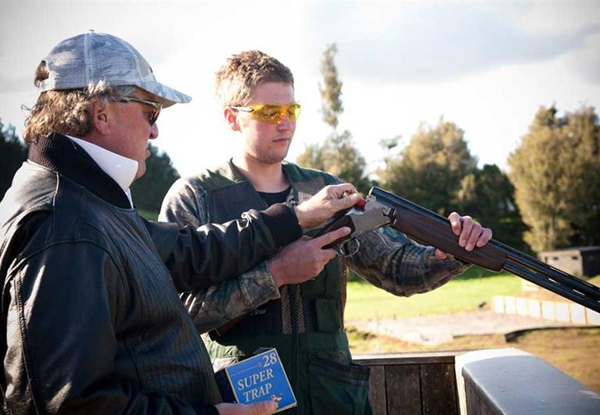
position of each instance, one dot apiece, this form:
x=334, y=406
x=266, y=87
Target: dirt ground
x=569, y=347
x=439, y=329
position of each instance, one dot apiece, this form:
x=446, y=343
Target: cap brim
x=166, y=95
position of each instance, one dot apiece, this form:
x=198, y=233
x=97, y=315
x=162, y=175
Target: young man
x=302, y=318
x=92, y=320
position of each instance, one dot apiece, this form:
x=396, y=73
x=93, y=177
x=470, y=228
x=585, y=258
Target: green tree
x=149, y=190
x=311, y=157
x=331, y=89
x=583, y=137
x=13, y=153
x=488, y=196
x=556, y=175
x=338, y=155
x=431, y=169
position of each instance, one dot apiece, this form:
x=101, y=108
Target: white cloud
x=487, y=66
x=433, y=42
x=551, y=17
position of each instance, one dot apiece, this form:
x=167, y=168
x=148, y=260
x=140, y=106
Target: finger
x=324, y=256
x=484, y=238
x=455, y=223
x=346, y=201
x=351, y=199
x=339, y=190
x=475, y=233
x=440, y=254
x=262, y=408
x=465, y=233
x=332, y=236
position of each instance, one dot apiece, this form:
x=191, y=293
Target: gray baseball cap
x=91, y=57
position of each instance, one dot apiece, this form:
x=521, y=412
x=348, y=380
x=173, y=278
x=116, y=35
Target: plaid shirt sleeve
x=390, y=260
x=186, y=204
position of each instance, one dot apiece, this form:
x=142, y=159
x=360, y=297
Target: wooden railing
x=418, y=383
x=485, y=382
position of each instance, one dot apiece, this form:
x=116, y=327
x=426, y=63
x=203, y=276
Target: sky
x=485, y=66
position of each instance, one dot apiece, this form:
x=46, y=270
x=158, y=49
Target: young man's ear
x=231, y=118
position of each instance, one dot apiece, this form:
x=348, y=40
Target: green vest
x=306, y=324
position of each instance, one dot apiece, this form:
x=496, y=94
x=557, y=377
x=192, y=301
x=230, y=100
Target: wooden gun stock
x=432, y=229
x=440, y=235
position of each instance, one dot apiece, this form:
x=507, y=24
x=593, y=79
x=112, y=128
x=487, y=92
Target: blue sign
x=260, y=378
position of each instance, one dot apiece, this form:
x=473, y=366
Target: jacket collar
x=236, y=174
x=60, y=154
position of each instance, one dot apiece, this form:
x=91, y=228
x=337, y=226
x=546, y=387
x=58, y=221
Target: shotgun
x=381, y=208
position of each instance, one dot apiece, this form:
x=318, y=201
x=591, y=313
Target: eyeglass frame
x=282, y=107
x=154, y=104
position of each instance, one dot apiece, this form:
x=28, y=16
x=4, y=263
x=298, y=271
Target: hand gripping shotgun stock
x=381, y=208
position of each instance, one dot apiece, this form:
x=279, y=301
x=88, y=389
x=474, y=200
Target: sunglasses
x=272, y=113
x=153, y=116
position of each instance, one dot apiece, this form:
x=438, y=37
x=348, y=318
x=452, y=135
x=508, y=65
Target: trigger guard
x=348, y=248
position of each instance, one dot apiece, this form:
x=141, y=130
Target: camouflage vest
x=314, y=306
x=309, y=316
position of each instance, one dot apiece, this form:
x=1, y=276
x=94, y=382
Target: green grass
x=148, y=215
x=572, y=350
x=368, y=302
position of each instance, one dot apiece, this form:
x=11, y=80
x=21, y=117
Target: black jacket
x=92, y=320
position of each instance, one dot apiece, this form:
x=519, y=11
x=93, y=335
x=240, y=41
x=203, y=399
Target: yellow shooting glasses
x=272, y=113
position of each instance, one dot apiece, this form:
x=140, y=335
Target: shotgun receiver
x=381, y=208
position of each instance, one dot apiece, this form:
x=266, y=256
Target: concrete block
x=562, y=312
x=577, y=313
x=534, y=308
x=522, y=307
x=509, y=382
x=510, y=305
x=548, y=311
x=593, y=317
x=498, y=304
x=464, y=359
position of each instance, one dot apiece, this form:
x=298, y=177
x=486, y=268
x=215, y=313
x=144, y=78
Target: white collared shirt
x=121, y=169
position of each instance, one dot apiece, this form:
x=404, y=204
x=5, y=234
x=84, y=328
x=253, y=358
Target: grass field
x=368, y=302
x=572, y=350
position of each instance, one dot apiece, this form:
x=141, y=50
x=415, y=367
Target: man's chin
x=140, y=171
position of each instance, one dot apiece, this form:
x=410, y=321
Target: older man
x=92, y=320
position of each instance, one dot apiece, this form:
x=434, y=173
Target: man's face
x=130, y=129
x=263, y=142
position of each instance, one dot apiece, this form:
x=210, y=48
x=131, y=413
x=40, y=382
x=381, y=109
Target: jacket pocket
x=329, y=315
x=337, y=388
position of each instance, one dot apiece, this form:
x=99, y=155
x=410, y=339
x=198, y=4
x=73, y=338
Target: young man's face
x=263, y=142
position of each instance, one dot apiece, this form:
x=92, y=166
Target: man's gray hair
x=68, y=111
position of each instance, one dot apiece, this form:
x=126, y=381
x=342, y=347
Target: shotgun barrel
x=432, y=229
